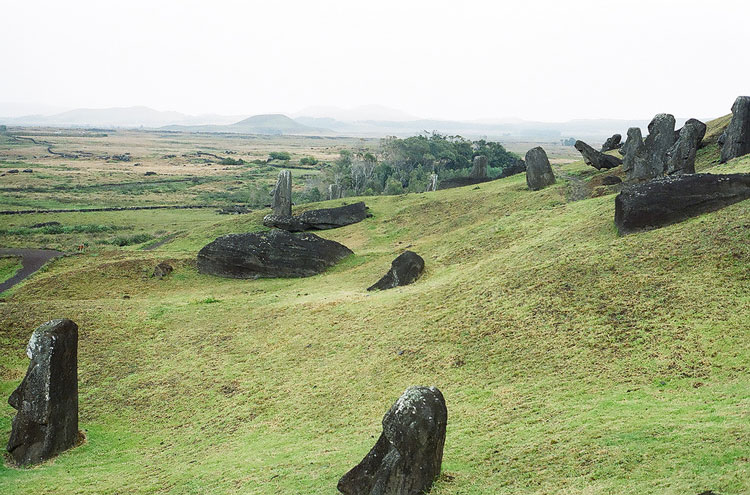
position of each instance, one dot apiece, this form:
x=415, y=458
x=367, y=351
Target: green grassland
x=572, y=360
x=8, y=267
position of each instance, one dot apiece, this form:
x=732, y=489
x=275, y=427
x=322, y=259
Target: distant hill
x=271, y=124
x=137, y=116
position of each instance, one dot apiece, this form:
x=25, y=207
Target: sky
x=463, y=60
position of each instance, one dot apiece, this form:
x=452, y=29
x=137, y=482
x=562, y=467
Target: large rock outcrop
x=479, y=169
x=282, y=195
x=596, y=159
x=672, y=199
x=321, y=219
x=47, y=398
x=408, y=456
x=612, y=143
x=538, y=169
x=277, y=253
x=735, y=141
x=405, y=270
x=681, y=156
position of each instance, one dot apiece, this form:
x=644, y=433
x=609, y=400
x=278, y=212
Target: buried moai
x=647, y=159
x=681, y=156
x=47, y=398
x=479, y=169
x=282, y=195
x=409, y=453
x=538, y=169
x=735, y=141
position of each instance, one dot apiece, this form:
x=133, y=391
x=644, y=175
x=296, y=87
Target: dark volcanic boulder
x=735, y=141
x=277, y=253
x=538, y=170
x=405, y=269
x=322, y=219
x=479, y=170
x=409, y=453
x=47, y=398
x=595, y=158
x=612, y=143
x=282, y=195
x=672, y=199
x=681, y=156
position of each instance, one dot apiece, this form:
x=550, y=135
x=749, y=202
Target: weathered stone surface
x=47, y=398
x=646, y=159
x=735, y=141
x=282, y=195
x=405, y=269
x=321, y=219
x=612, y=143
x=672, y=199
x=611, y=180
x=162, y=270
x=538, y=169
x=518, y=167
x=681, y=156
x=479, y=170
x=408, y=456
x=635, y=156
x=277, y=253
x=595, y=158
x=659, y=140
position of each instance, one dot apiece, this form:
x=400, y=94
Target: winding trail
x=32, y=260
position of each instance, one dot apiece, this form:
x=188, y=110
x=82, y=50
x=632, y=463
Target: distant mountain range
x=270, y=124
x=364, y=121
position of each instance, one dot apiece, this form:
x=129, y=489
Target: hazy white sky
x=533, y=59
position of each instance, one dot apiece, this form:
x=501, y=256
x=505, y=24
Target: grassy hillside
x=572, y=360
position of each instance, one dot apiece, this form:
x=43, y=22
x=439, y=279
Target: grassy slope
x=8, y=267
x=572, y=360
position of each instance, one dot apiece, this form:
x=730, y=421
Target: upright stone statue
x=538, y=169
x=282, y=195
x=647, y=159
x=681, y=156
x=409, y=453
x=47, y=398
x=479, y=171
x=735, y=141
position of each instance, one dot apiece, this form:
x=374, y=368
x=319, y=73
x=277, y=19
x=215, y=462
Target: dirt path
x=32, y=260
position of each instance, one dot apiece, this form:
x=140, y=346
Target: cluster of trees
x=405, y=165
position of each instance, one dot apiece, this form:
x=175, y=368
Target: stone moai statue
x=408, y=456
x=282, y=195
x=47, y=398
x=479, y=171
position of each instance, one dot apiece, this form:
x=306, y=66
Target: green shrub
x=280, y=155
